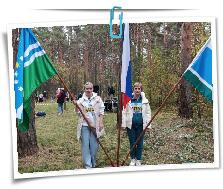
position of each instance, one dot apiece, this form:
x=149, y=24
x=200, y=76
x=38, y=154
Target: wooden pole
x=120, y=104
x=153, y=117
x=86, y=119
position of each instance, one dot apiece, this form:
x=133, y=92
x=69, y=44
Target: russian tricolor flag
x=126, y=75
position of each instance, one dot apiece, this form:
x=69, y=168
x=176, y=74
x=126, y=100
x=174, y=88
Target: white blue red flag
x=126, y=75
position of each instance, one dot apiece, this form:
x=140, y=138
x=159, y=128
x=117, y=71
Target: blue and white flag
x=18, y=78
x=199, y=72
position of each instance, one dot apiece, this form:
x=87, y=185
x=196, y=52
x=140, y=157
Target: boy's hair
x=88, y=83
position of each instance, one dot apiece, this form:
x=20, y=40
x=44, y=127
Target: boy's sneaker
x=133, y=162
x=138, y=162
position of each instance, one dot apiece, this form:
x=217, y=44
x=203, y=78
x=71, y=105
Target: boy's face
x=88, y=90
x=137, y=90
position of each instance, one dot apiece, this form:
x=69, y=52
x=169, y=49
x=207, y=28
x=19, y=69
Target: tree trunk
x=199, y=109
x=86, y=65
x=139, y=51
x=185, y=94
x=95, y=68
x=26, y=142
x=149, y=48
x=60, y=54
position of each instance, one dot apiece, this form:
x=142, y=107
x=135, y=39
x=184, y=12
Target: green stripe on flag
x=24, y=125
x=39, y=71
x=202, y=88
x=35, y=74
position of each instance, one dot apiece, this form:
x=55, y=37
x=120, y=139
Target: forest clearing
x=160, y=52
x=172, y=141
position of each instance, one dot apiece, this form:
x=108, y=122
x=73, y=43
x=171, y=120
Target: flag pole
x=86, y=119
x=153, y=117
x=119, y=112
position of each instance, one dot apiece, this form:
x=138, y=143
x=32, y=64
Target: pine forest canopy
x=87, y=53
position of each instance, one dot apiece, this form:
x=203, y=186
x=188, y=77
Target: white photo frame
x=215, y=164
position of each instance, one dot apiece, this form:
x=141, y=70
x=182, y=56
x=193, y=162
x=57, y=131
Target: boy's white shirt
x=98, y=106
x=127, y=113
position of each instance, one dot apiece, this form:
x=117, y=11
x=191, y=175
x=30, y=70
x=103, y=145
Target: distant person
x=93, y=106
x=37, y=97
x=61, y=95
x=44, y=96
x=41, y=97
x=65, y=101
x=79, y=96
x=51, y=99
x=67, y=96
x=71, y=97
x=135, y=118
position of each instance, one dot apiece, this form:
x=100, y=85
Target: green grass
x=172, y=141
